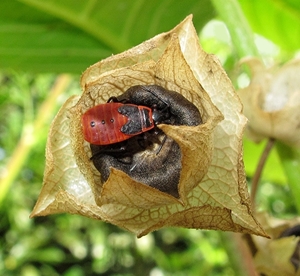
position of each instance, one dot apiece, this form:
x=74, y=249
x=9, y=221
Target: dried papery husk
x=274, y=256
x=272, y=102
x=193, y=141
x=61, y=191
x=212, y=188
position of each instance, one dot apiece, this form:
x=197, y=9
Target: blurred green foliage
x=41, y=38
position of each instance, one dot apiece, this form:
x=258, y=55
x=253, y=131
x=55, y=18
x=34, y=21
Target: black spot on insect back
x=150, y=157
x=134, y=124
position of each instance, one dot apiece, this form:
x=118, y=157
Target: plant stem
x=290, y=159
x=242, y=263
x=239, y=29
x=259, y=169
x=30, y=132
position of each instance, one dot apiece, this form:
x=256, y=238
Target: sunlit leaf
x=277, y=20
x=59, y=36
x=273, y=168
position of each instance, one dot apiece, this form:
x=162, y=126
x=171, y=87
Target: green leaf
x=290, y=159
x=51, y=255
x=273, y=170
x=277, y=20
x=70, y=35
x=241, y=34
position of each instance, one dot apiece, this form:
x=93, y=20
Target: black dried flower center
x=150, y=156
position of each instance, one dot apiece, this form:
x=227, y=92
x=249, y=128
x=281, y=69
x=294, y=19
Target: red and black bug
x=117, y=120
x=144, y=152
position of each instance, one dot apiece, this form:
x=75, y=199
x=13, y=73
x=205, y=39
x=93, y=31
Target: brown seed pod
x=211, y=192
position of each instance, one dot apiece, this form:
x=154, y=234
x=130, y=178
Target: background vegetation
x=44, y=47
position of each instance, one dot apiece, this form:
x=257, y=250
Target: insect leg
x=161, y=145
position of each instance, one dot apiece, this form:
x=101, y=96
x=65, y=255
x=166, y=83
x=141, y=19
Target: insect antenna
x=114, y=99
